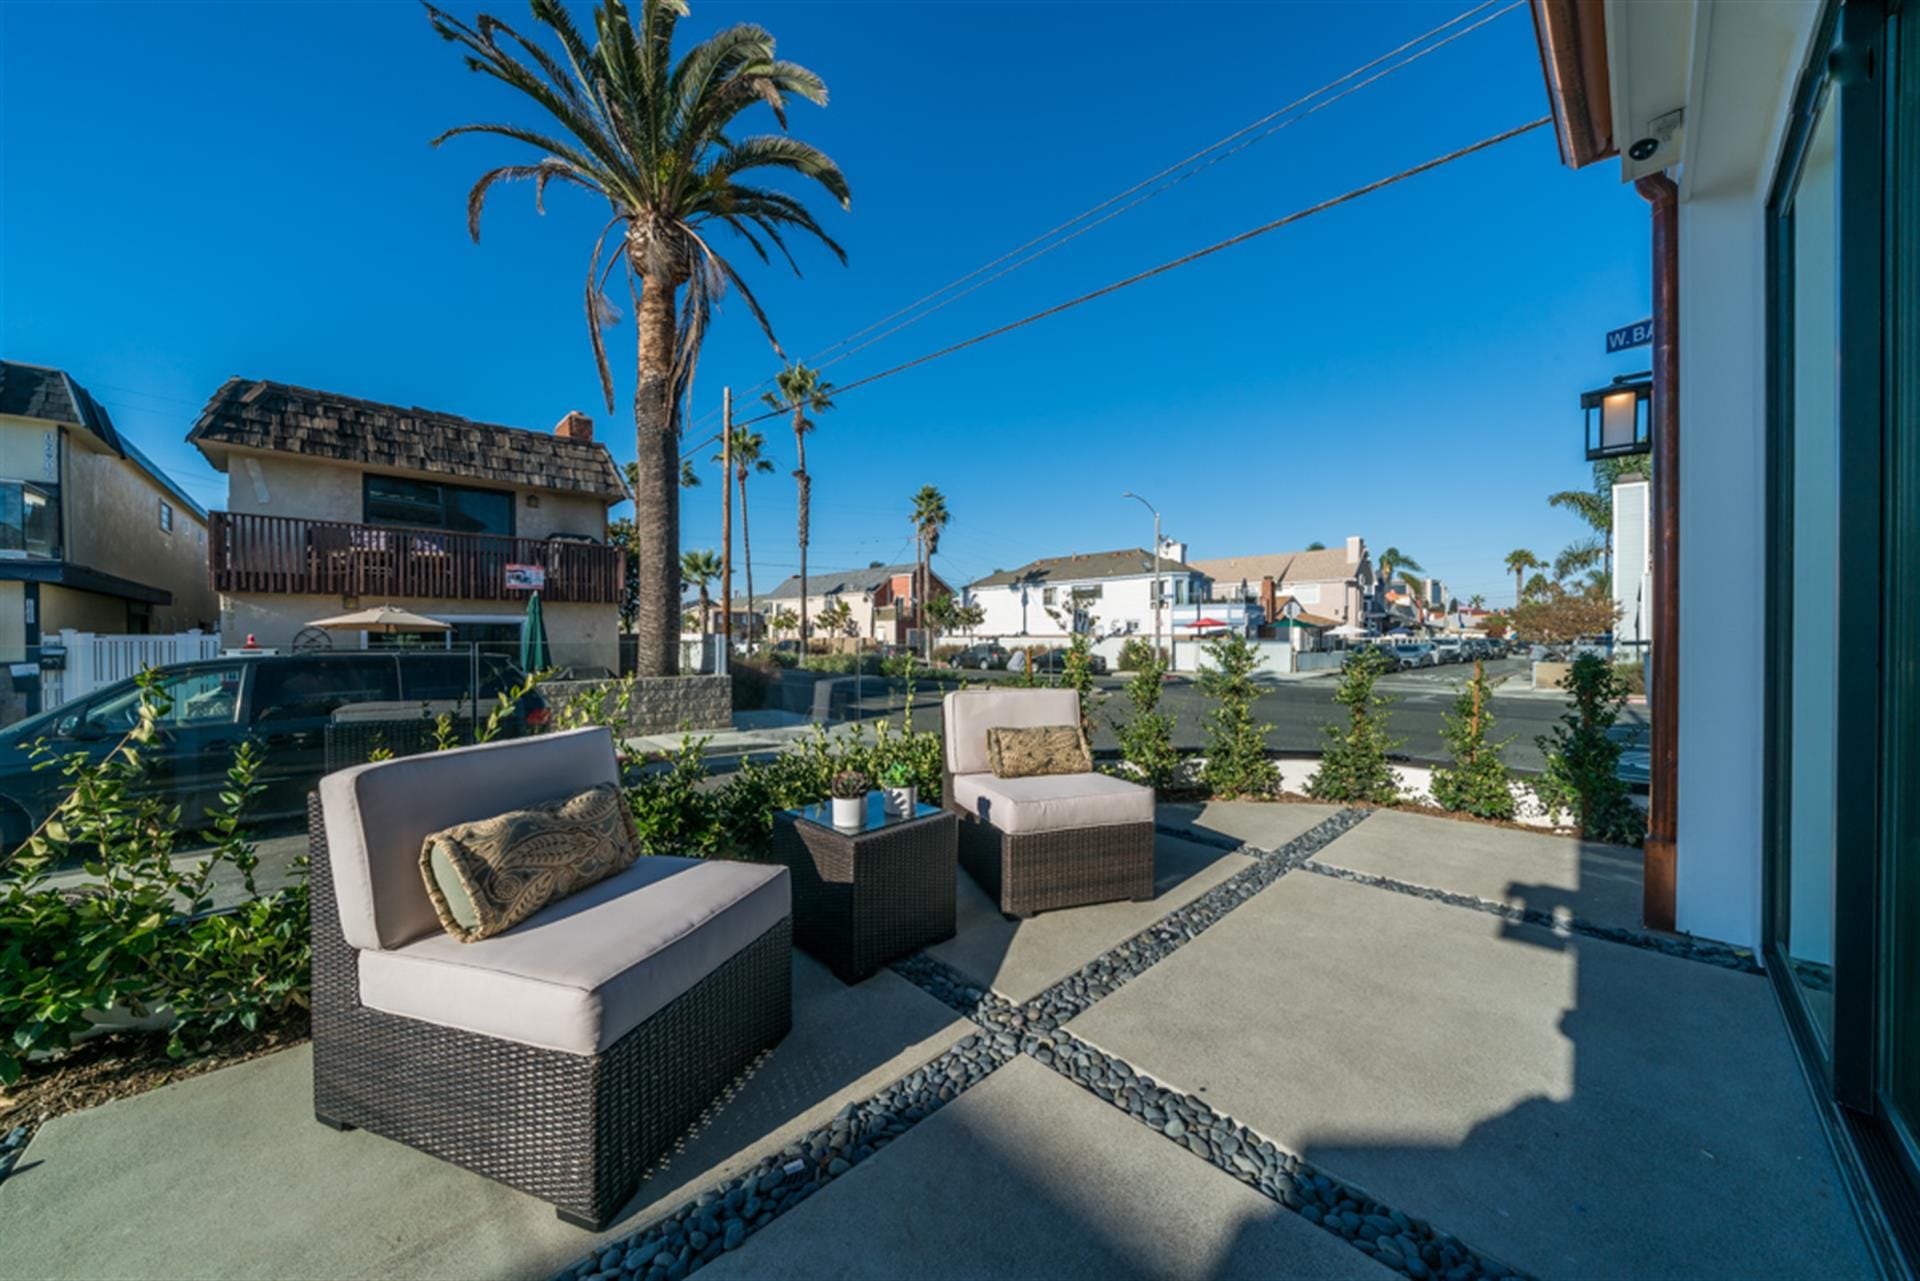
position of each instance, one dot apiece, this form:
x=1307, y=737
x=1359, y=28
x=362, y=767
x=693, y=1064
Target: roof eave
x=1572, y=40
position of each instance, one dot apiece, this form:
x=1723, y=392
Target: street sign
x=1638, y=334
x=526, y=578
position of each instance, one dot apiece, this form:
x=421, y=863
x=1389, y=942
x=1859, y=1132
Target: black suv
x=284, y=704
x=983, y=657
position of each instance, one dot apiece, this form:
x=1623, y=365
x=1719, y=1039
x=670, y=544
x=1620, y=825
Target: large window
x=29, y=520
x=397, y=500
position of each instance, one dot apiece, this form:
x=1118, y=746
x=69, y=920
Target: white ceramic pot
x=900, y=800
x=850, y=811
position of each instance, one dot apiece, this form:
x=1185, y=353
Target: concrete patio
x=1372, y=1051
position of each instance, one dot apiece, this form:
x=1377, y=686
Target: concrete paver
x=1021, y=959
x=229, y=1175
x=1562, y=875
x=1027, y=1175
x=1265, y=825
x=1573, y=1107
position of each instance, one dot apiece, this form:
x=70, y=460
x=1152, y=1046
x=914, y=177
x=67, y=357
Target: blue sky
x=195, y=191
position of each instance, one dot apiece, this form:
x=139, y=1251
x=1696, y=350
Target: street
x=1297, y=709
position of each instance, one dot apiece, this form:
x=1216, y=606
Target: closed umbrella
x=533, y=638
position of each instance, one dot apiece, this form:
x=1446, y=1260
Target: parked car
x=1449, y=649
x=983, y=657
x=282, y=703
x=1055, y=660
x=1415, y=654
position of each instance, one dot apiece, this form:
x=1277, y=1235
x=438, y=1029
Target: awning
x=382, y=618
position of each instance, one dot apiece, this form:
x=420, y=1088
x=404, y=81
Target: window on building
x=398, y=500
x=166, y=517
x=29, y=520
x=1047, y=595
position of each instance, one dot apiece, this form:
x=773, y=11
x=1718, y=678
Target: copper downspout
x=1659, y=883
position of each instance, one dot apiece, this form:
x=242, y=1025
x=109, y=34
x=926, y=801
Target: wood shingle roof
x=255, y=414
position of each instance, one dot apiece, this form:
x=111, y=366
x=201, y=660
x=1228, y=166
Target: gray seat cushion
x=589, y=969
x=1053, y=802
x=377, y=816
x=968, y=714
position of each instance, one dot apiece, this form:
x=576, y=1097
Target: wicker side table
x=864, y=897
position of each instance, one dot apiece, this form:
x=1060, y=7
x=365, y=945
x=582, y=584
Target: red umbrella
x=1204, y=622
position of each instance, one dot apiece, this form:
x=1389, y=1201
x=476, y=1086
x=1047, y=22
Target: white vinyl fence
x=93, y=661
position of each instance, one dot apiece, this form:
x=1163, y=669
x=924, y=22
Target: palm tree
x=702, y=567
x=1581, y=556
x=1519, y=561
x=930, y=516
x=802, y=391
x=1596, y=509
x=1477, y=601
x=1394, y=559
x=652, y=137
x=749, y=448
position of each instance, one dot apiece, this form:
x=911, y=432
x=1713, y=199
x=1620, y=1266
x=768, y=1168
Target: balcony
x=291, y=555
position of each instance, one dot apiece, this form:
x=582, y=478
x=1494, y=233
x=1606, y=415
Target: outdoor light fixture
x=1619, y=417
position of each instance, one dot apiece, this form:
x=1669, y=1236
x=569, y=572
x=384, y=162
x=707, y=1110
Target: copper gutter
x=1660, y=879
x=1572, y=37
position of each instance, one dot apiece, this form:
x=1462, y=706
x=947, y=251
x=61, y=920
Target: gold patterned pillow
x=1038, y=749
x=489, y=875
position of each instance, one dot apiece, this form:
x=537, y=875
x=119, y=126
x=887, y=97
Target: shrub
x=944, y=653
x=1136, y=653
x=1479, y=782
x=137, y=935
x=865, y=664
x=1076, y=674
x=1237, y=761
x=1354, y=767
x=1582, y=777
x=1146, y=738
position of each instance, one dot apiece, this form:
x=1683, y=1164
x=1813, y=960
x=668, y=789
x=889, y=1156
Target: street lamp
x=1156, y=568
x=1619, y=417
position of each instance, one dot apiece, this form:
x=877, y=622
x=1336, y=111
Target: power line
x=1182, y=261
x=1148, y=181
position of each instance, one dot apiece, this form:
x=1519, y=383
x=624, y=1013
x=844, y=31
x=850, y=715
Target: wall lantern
x=1619, y=417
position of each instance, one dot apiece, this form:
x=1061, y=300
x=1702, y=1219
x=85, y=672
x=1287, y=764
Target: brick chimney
x=575, y=426
x=1269, y=602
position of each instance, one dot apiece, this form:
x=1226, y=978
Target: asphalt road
x=1298, y=709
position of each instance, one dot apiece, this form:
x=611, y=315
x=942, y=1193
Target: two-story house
x=336, y=503
x=1330, y=582
x=93, y=536
x=1105, y=593
x=881, y=599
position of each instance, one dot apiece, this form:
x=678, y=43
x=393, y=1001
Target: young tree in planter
x=1478, y=783
x=1582, y=778
x=1354, y=767
x=1146, y=738
x=1237, y=763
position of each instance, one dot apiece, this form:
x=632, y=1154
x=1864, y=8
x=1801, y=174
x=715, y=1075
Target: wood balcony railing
x=287, y=554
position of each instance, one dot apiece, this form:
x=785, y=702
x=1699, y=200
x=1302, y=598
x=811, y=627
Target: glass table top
x=877, y=818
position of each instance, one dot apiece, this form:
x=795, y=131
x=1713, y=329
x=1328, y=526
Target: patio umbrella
x=381, y=618
x=1348, y=629
x=533, y=638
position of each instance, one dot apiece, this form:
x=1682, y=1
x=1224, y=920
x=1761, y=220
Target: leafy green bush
x=866, y=663
x=1354, y=767
x=1146, y=737
x=1237, y=761
x=1076, y=674
x=1136, y=653
x=1479, y=782
x=1582, y=778
x=673, y=813
x=945, y=652
x=137, y=935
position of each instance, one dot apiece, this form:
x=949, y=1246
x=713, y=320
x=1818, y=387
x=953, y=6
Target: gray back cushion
x=969, y=713
x=378, y=815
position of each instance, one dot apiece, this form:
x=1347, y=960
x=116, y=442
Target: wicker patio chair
x=1061, y=840
x=563, y=1056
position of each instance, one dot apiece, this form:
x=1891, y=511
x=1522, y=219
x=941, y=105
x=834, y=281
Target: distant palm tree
x=1392, y=560
x=802, y=391
x=1595, y=507
x=930, y=516
x=702, y=566
x=1580, y=557
x=1477, y=600
x=1519, y=561
x=656, y=140
x=749, y=448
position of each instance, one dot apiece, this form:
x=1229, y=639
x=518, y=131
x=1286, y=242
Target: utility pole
x=1156, y=569
x=726, y=522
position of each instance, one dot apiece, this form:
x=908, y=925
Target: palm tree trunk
x=656, y=490
x=806, y=490
x=746, y=554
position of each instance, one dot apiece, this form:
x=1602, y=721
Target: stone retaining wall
x=663, y=704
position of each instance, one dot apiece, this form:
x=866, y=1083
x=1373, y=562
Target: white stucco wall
x=1125, y=604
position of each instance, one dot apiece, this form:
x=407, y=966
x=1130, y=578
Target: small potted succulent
x=850, y=798
x=897, y=790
